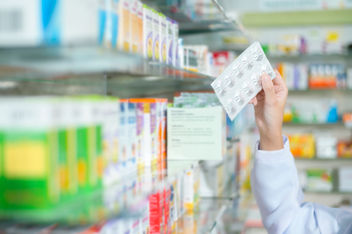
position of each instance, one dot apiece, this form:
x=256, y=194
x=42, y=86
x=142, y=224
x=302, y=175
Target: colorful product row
x=56, y=149
x=310, y=146
x=314, y=76
x=179, y=195
x=326, y=180
x=135, y=27
x=321, y=110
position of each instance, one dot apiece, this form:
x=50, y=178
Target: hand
x=269, y=107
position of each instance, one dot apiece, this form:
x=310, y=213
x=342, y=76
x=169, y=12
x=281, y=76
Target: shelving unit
x=91, y=69
x=197, y=23
x=82, y=70
x=316, y=125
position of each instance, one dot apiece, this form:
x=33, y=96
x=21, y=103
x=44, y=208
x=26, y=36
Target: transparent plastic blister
x=240, y=81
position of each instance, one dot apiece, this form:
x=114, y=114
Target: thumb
x=268, y=88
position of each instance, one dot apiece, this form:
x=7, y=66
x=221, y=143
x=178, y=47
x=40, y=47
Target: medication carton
x=140, y=28
x=156, y=35
x=132, y=136
x=170, y=41
x=86, y=147
x=154, y=125
x=103, y=17
x=134, y=27
x=191, y=190
x=35, y=22
x=163, y=38
x=30, y=168
x=139, y=134
x=110, y=124
x=176, y=58
x=113, y=23
x=163, y=111
x=345, y=179
x=124, y=34
x=123, y=137
x=66, y=149
x=1, y=163
x=147, y=32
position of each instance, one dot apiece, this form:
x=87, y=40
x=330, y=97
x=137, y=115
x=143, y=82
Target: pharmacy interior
x=112, y=120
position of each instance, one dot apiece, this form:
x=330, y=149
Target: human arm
x=274, y=176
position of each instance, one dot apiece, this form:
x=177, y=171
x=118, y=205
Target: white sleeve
x=279, y=197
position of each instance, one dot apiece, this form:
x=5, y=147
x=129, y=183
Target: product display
x=344, y=149
x=240, y=82
x=347, y=119
x=324, y=110
x=302, y=145
x=79, y=145
x=345, y=182
x=295, y=75
x=313, y=76
x=135, y=27
x=325, y=76
x=326, y=146
x=221, y=59
x=319, y=180
x=89, y=142
x=38, y=23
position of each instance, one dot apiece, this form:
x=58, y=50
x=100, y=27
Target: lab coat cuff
x=275, y=155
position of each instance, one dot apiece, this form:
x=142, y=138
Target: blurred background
x=109, y=124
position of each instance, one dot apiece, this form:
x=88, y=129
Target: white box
x=195, y=133
x=345, y=179
x=28, y=23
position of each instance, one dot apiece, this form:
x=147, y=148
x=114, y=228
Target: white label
x=195, y=133
x=20, y=23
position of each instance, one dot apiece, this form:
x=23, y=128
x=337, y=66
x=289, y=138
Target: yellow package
x=302, y=145
x=134, y=26
x=124, y=34
x=147, y=32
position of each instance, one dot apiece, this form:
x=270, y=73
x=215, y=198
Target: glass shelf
x=91, y=70
x=194, y=22
x=333, y=193
x=321, y=92
x=317, y=125
x=311, y=57
x=328, y=160
x=123, y=199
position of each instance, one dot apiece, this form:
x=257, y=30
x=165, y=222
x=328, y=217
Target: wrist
x=271, y=141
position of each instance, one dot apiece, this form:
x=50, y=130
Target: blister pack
x=240, y=81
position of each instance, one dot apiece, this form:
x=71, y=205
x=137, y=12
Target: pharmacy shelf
x=86, y=209
x=303, y=164
x=122, y=199
x=316, y=125
x=327, y=160
x=194, y=24
x=91, y=70
x=208, y=217
x=311, y=57
x=331, y=193
x=297, y=18
x=321, y=92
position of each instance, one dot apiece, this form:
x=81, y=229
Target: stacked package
x=55, y=150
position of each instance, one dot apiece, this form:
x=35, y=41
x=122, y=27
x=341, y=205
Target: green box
x=1, y=168
x=29, y=155
x=30, y=170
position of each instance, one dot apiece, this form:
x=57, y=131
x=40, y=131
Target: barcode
x=10, y=21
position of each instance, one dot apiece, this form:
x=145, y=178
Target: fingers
x=268, y=88
x=254, y=101
x=278, y=81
